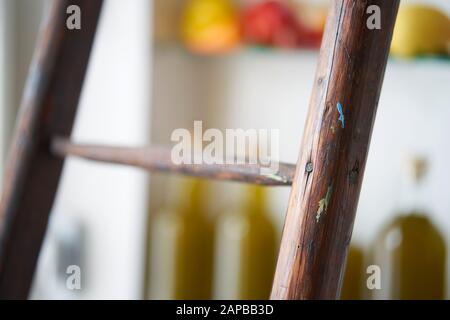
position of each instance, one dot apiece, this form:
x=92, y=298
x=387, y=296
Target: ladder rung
x=158, y=159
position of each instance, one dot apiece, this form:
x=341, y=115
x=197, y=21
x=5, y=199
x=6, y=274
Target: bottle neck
x=255, y=200
x=189, y=196
x=412, y=196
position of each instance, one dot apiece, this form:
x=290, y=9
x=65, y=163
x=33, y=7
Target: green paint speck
x=323, y=204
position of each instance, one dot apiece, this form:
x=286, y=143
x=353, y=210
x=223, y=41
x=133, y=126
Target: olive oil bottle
x=352, y=288
x=181, y=244
x=410, y=251
x=246, y=243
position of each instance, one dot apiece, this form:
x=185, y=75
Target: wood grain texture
x=32, y=173
x=158, y=159
x=322, y=205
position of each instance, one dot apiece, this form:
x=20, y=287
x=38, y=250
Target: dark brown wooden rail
x=336, y=139
x=32, y=173
x=158, y=159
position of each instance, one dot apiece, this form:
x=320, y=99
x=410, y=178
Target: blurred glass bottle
x=181, y=244
x=410, y=251
x=352, y=288
x=245, y=253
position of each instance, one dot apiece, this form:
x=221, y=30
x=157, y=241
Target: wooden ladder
x=326, y=181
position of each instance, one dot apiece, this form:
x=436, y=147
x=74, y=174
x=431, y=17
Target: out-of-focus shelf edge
x=163, y=46
x=420, y=60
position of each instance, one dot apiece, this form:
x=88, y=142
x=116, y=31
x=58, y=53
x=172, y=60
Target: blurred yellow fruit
x=420, y=30
x=210, y=26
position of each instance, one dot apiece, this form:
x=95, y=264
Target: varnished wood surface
x=32, y=173
x=322, y=205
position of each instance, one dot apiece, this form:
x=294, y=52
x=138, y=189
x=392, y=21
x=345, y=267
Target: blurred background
x=158, y=66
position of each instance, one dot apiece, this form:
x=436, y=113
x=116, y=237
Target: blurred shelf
x=178, y=47
x=276, y=53
x=422, y=60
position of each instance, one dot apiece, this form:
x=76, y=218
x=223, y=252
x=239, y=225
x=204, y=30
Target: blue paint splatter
x=341, y=114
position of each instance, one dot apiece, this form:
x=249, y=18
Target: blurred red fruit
x=270, y=23
x=273, y=23
x=309, y=38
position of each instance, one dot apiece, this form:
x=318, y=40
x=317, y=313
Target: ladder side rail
x=330, y=169
x=48, y=108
